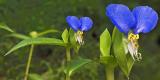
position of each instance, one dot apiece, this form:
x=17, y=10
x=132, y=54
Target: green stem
x=109, y=73
x=68, y=56
x=29, y=62
x=67, y=77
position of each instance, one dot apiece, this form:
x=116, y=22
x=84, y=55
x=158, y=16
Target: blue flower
x=141, y=19
x=79, y=26
x=82, y=24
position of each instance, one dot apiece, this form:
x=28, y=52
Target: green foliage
x=76, y=64
x=65, y=36
x=5, y=27
x=19, y=36
x=46, y=41
x=130, y=63
x=108, y=61
x=35, y=77
x=73, y=42
x=105, y=43
x=47, y=32
x=72, y=38
x=119, y=51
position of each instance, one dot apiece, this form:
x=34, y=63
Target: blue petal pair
x=79, y=26
x=82, y=24
x=141, y=19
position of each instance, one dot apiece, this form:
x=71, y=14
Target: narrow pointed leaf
x=20, y=36
x=130, y=63
x=47, y=32
x=5, y=27
x=65, y=36
x=72, y=37
x=46, y=41
x=105, y=43
x=76, y=64
x=119, y=51
x=73, y=41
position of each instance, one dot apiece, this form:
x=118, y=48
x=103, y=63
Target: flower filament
x=133, y=46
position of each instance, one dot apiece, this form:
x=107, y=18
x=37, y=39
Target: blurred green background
x=25, y=16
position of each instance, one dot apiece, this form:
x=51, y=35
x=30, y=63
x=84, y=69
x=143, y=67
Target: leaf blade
x=5, y=27
x=65, y=36
x=119, y=51
x=76, y=64
x=26, y=42
x=130, y=63
x=47, y=32
x=20, y=36
x=105, y=43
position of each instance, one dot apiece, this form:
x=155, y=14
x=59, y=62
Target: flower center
x=79, y=37
x=133, y=46
x=134, y=39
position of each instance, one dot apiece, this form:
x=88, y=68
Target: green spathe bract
x=105, y=43
x=119, y=52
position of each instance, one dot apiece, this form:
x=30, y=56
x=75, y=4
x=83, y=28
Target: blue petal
x=73, y=22
x=121, y=17
x=86, y=23
x=146, y=19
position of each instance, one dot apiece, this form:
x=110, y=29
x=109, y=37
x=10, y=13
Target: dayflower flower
x=141, y=19
x=79, y=26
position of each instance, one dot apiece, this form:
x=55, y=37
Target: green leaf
x=108, y=60
x=5, y=27
x=119, y=51
x=35, y=77
x=73, y=41
x=26, y=42
x=20, y=36
x=105, y=43
x=65, y=36
x=47, y=32
x=72, y=37
x=76, y=64
x=130, y=63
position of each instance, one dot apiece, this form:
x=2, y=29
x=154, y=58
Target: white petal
x=131, y=49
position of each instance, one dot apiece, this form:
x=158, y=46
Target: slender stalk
x=67, y=77
x=68, y=56
x=109, y=73
x=29, y=62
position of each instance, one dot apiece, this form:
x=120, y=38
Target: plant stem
x=68, y=56
x=29, y=62
x=67, y=77
x=109, y=73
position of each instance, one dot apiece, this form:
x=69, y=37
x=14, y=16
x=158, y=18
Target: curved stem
x=109, y=73
x=68, y=56
x=29, y=62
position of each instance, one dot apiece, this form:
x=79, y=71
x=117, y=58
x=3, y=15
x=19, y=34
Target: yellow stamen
x=133, y=39
x=80, y=32
x=132, y=36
